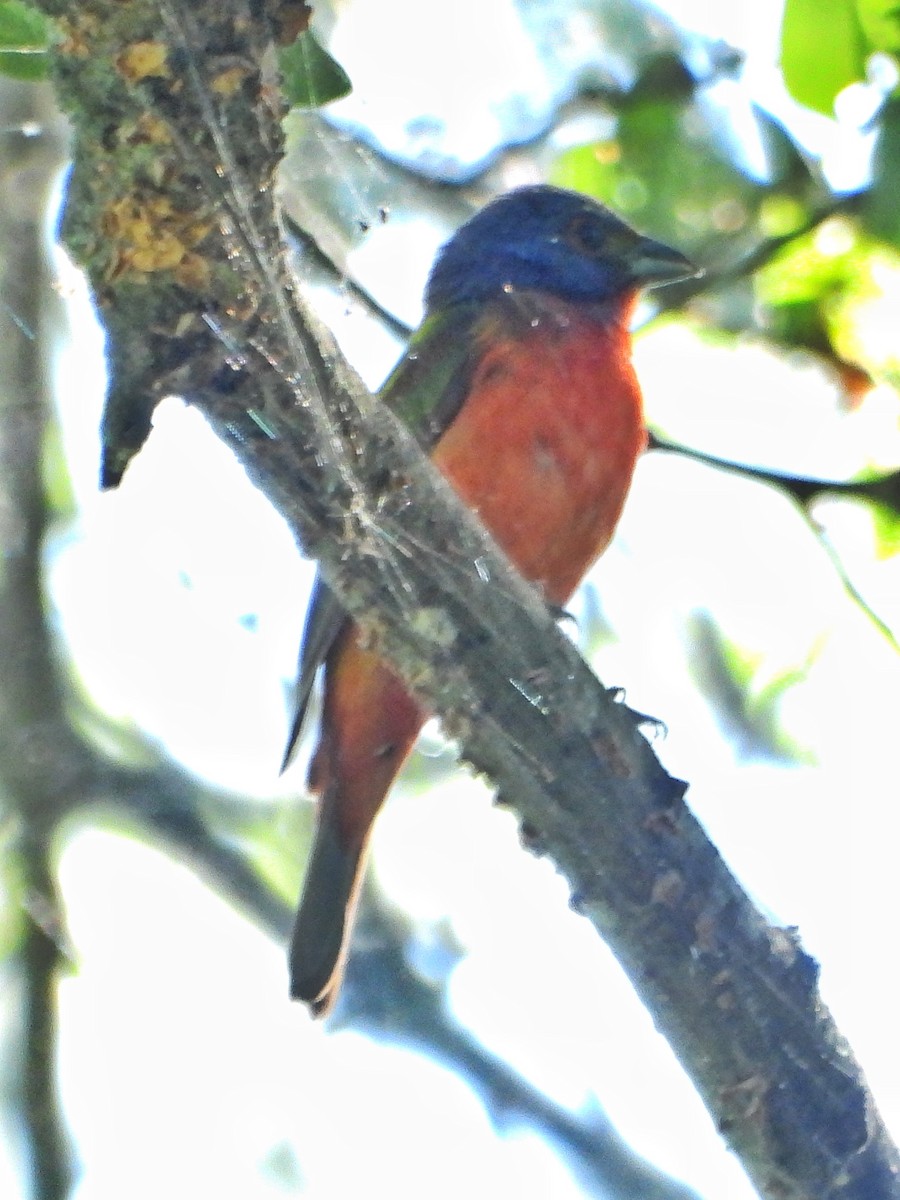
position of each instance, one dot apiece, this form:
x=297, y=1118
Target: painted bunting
x=519, y=384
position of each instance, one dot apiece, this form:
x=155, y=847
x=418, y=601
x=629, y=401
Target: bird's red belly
x=545, y=446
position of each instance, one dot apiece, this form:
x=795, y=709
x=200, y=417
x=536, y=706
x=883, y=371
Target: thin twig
x=29, y=166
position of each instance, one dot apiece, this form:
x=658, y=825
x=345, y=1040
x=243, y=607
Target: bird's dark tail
x=325, y=914
x=369, y=725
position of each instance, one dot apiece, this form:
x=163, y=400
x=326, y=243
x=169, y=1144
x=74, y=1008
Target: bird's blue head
x=549, y=240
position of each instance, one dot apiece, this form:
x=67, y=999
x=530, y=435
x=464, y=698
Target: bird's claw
x=639, y=718
x=560, y=613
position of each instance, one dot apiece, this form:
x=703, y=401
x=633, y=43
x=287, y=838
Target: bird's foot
x=640, y=719
x=560, y=613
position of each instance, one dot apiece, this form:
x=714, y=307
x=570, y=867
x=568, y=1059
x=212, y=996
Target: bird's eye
x=586, y=234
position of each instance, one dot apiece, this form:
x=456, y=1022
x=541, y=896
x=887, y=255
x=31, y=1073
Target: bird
x=519, y=385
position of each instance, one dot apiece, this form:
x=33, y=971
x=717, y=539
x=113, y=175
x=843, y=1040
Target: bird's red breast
x=544, y=447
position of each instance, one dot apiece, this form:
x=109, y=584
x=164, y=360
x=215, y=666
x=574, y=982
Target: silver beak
x=652, y=263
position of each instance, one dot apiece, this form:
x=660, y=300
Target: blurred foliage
x=833, y=291
x=825, y=46
x=677, y=165
x=663, y=170
x=823, y=50
x=24, y=36
x=880, y=20
x=56, y=476
x=746, y=695
x=881, y=211
x=886, y=526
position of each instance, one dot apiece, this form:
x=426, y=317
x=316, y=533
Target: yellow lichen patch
x=151, y=129
x=78, y=33
x=227, y=82
x=163, y=253
x=150, y=235
x=193, y=273
x=143, y=60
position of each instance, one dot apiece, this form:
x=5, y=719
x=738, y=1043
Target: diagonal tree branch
x=736, y=997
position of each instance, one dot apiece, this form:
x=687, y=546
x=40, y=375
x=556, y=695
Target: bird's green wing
x=426, y=390
x=427, y=387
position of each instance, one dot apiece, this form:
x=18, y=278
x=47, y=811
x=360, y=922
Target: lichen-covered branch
x=177, y=144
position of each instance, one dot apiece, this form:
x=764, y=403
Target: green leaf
x=880, y=20
x=823, y=49
x=22, y=27
x=26, y=66
x=24, y=37
x=310, y=75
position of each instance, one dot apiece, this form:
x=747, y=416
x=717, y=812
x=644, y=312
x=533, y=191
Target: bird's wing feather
x=324, y=619
x=427, y=388
x=426, y=391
